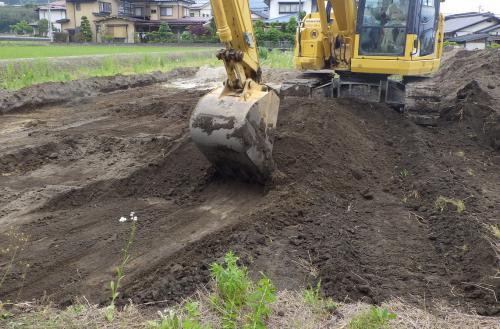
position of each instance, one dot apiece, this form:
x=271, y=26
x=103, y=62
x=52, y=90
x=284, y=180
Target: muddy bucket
x=235, y=132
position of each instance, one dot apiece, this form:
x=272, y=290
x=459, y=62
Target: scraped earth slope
x=351, y=202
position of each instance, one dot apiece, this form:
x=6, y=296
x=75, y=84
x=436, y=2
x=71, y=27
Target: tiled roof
x=457, y=22
x=491, y=28
x=55, y=5
x=470, y=37
x=281, y=19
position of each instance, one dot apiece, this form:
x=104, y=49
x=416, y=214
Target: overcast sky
x=462, y=6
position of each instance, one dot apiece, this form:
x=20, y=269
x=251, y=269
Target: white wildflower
x=134, y=218
x=132, y=214
x=123, y=219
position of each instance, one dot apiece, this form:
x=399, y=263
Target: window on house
x=166, y=11
x=77, y=6
x=186, y=12
x=104, y=7
x=138, y=11
x=191, y=14
x=153, y=11
x=288, y=7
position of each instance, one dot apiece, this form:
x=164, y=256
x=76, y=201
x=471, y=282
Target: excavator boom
x=233, y=126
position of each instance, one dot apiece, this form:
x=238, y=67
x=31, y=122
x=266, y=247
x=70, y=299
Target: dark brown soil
x=351, y=204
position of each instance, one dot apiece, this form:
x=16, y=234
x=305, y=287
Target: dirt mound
x=57, y=92
x=469, y=82
x=352, y=203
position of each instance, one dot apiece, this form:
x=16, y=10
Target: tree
x=213, y=27
x=291, y=26
x=165, y=33
x=9, y=16
x=198, y=30
x=86, y=30
x=21, y=27
x=273, y=34
x=43, y=27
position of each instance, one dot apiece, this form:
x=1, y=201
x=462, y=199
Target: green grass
x=10, y=50
x=375, y=318
x=24, y=74
x=277, y=59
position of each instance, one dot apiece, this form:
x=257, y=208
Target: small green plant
x=450, y=43
x=240, y=302
x=495, y=230
x=313, y=298
x=375, y=318
x=107, y=38
x=120, y=269
x=263, y=53
x=187, y=318
x=404, y=173
x=442, y=204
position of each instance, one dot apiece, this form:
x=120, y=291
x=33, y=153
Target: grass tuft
x=313, y=298
x=375, y=318
x=442, y=204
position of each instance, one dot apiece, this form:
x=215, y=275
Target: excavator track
x=422, y=102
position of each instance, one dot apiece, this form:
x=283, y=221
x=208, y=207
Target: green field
x=10, y=50
x=19, y=74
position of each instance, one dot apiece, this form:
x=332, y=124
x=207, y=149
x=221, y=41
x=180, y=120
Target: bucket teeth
x=236, y=134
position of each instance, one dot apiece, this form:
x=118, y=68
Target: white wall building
x=57, y=12
x=201, y=9
x=279, y=8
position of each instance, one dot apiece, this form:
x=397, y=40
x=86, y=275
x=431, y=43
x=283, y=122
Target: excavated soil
x=351, y=202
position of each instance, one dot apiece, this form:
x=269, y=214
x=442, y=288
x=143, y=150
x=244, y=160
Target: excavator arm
x=233, y=126
x=236, y=33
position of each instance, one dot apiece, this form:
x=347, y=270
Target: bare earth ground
x=351, y=203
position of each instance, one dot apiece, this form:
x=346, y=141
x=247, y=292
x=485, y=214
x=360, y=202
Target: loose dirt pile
x=352, y=202
x=471, y=86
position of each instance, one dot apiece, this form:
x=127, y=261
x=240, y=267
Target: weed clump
x=313, y=298
x=375, y=318
x=442, y=204
x=237, y=301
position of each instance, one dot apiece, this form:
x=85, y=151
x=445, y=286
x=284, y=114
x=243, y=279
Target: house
x=57, y=13
x=472, y=30
x=201, y=9
x=122, y=21
x=473, y=41
x=259, y=15
x=279, y=8
x=468, y=23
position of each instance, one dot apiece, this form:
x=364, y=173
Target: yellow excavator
x=364, y=49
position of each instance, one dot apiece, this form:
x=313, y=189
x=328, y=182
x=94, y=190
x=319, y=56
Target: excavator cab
x=401, y=37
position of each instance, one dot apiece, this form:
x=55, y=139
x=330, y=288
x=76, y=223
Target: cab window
x=384, y=27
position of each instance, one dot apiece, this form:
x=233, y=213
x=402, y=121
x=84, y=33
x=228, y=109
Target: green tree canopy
x=21, y=27
x=43, y=26
x=165, y=33
x=11, y=15
x=85, y=29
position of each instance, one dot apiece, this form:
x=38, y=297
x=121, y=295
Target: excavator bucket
x=236, y=132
